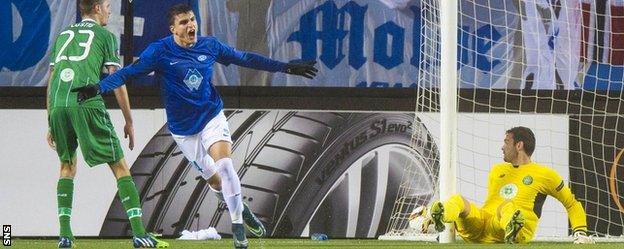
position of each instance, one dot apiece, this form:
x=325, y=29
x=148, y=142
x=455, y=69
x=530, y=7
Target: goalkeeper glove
x=581, y=237
x=305, y=69
x=87, y=92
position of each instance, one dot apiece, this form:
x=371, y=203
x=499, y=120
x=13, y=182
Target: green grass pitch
x=299, y=243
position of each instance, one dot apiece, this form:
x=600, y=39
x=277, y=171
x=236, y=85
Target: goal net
x=555, y=66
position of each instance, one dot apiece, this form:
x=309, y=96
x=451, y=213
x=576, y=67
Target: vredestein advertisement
x=302, y=172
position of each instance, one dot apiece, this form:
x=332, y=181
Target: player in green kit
x=78, y=56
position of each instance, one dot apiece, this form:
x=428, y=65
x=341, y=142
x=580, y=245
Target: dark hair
x=524, y=135
x=88, y=6
x=176, y=10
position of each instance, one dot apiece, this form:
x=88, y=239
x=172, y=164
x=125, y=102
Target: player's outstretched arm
x=143, y=66
x=229, y=55
x=110, y=83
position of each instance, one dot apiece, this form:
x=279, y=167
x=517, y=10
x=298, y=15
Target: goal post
x=448, y=106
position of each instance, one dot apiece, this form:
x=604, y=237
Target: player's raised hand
x=305, y=69
x=581, y=237
x=87, y=92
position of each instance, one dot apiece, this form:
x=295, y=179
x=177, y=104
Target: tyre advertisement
x=343, y=174
x=301, y=173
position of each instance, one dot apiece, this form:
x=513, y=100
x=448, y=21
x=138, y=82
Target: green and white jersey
x=80, y=52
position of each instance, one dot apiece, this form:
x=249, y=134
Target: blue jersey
x=190, y=98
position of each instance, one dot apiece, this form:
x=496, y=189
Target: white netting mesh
x=427, y=97
x=555, y=66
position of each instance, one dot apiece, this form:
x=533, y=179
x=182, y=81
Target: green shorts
x=89, y=127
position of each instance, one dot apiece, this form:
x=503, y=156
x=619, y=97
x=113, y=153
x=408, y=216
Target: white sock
x=231, y=189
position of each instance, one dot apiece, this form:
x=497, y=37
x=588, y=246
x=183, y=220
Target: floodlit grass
x=299, y=243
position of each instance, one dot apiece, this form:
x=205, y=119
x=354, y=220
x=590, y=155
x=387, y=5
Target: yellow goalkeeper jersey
x=527, y=186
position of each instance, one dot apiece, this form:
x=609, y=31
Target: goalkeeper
x=517, y=190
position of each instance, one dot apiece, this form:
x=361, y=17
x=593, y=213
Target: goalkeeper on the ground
x=517, y=190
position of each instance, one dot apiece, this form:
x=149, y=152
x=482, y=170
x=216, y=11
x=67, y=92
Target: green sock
x=64, y=196
x=130, y=200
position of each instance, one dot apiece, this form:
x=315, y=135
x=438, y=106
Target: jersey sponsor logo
x=193, y=79
x=202, y=58
x=67, y=75
x=527, y=180
x=508, y=191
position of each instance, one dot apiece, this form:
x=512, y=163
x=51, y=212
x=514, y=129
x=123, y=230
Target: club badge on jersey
x=193, y=79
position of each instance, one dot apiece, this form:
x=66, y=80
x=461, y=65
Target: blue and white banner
x=529, y=44
x=383, y=44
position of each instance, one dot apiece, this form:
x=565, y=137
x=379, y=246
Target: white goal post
x=448, y=107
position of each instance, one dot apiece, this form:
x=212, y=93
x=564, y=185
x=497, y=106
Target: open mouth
x=191, y=34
